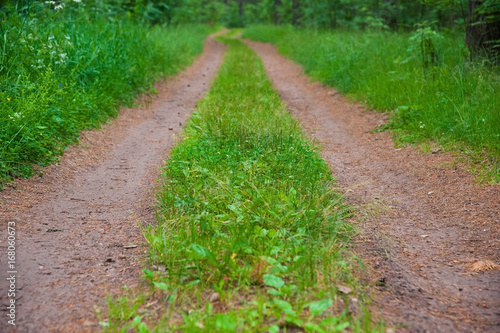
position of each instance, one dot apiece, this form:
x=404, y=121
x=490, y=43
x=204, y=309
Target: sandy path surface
x=77, y=233
x=423, y=219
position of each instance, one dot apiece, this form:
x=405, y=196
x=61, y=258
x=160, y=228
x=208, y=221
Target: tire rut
x=423, y=218
x=78, y=236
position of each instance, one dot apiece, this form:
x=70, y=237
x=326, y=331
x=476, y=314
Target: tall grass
x=66, y=69
x=247, y=212
x=454, y=102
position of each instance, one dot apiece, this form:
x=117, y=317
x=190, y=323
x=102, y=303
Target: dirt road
x=423, y=219
x=77, y=233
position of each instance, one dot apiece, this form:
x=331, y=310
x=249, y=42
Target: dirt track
x=423, y=220
x=74, y=225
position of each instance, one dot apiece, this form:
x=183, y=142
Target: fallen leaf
x=483, y=265
x=344, y=289
x=214, y=298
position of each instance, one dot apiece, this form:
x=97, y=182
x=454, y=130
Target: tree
x=240, y=9
x=295, y=11
x=277, y=4
x=483, y=29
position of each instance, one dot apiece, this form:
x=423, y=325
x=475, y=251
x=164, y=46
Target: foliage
x=66, y=67
x=324, y=14
x=320, y=14
x=454, y=104
x=426, y=41
x=247, y=210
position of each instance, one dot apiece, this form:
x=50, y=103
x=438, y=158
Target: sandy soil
x=423, y=219
x=78, y=238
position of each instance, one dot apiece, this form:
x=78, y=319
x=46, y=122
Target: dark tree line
x=483, y=29
x=480, y=18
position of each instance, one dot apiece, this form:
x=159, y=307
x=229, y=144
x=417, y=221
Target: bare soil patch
x=78, y=238
x=425, y=222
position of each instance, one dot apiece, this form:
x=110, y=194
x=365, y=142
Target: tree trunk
x=295, y=11
x=240, y=9
x=277, y=4
x=332, y=13
x=482, y=34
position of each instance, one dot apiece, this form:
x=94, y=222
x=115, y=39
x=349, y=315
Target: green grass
x=62, y=71
x=454, y=102
x=247, y=210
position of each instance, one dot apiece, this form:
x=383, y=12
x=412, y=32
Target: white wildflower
x=63, y=55
x=61, y=6
x=77, y=1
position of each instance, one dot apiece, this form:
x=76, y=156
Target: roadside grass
x=251, y=235
x=438, y=96
x=66, y=70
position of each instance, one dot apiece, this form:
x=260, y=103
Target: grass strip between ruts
x=250, y=232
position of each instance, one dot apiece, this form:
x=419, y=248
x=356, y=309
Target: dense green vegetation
x=431, y=92
x=247, y=210
x=324, y=14
x=67, y=67
x=480, y=19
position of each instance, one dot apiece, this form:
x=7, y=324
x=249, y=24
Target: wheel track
x=422, y=220
x=74, y=222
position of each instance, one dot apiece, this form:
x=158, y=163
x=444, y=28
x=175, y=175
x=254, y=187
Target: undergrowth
x=423, y=80
x=250, y=234
x=66, y=66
